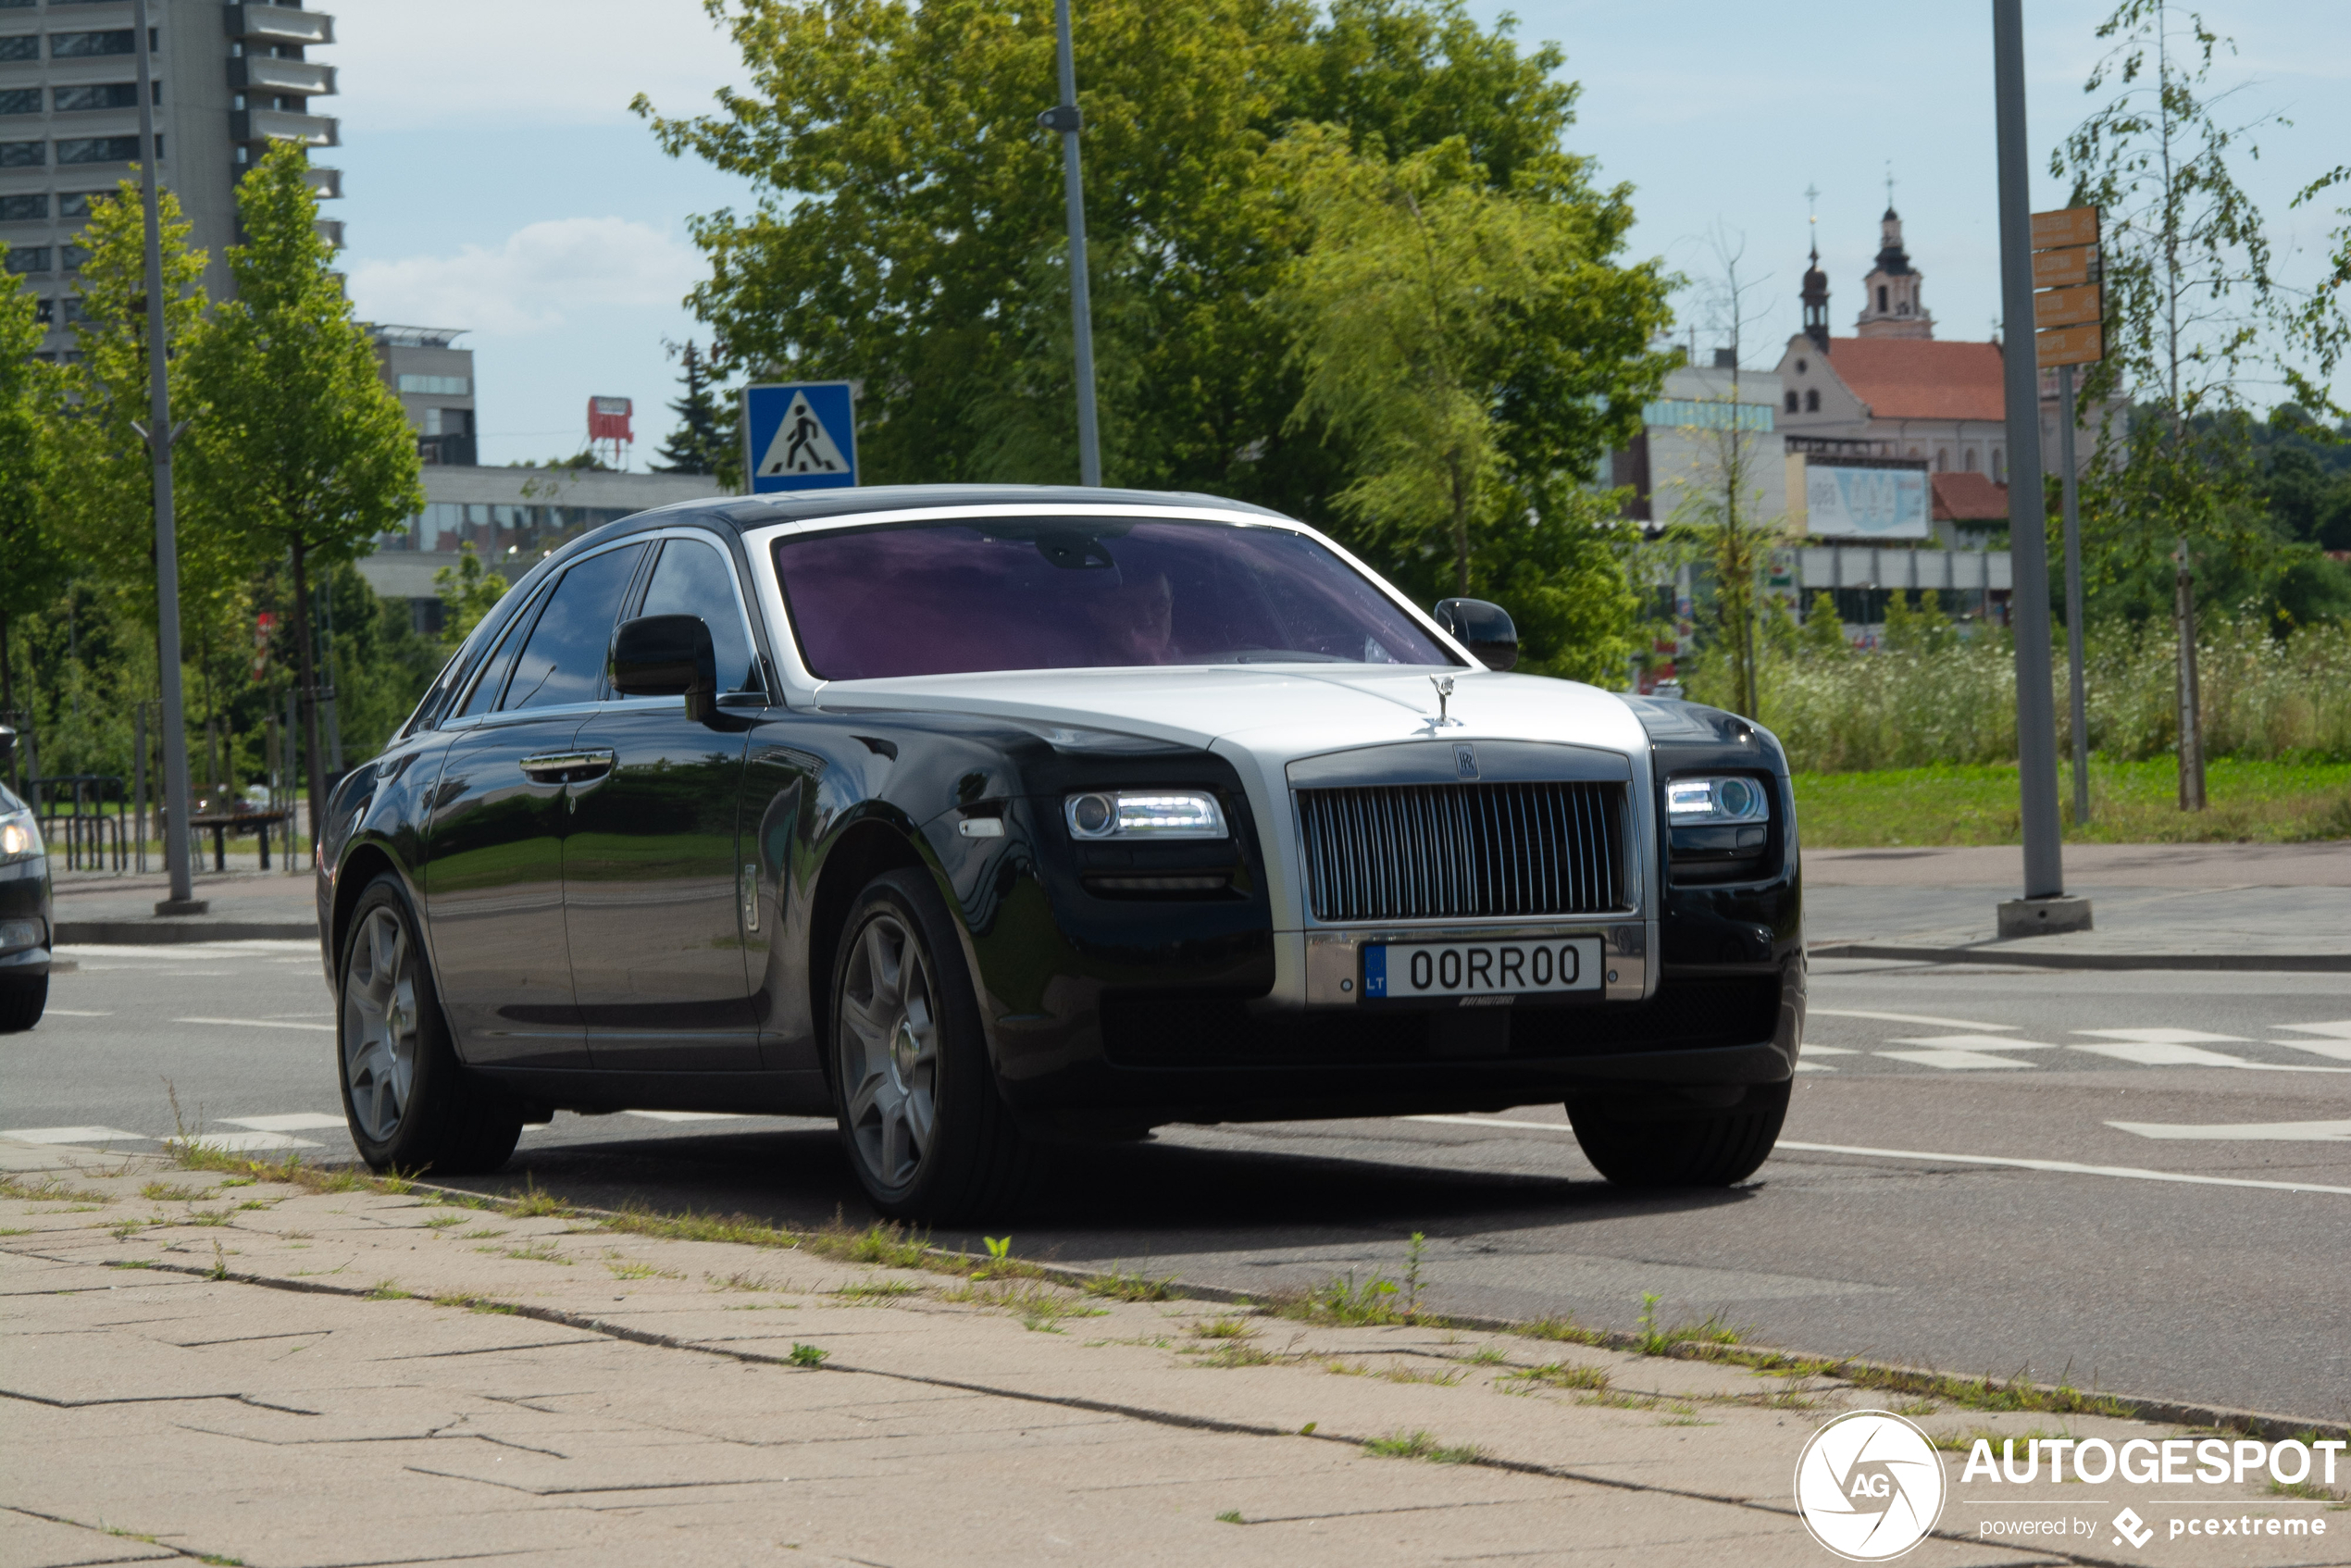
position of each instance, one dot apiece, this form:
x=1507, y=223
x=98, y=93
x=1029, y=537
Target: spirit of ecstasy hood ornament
x=1444, y=684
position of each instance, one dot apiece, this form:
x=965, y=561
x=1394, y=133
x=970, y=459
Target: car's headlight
x=18, y=935
x=20, y=836
x=1690, y=802
x=1145, y=813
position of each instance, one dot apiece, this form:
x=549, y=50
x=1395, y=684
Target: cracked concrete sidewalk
x=204, y=1367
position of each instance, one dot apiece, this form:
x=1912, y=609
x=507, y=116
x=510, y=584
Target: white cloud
x=439, y=65
x=545, y=276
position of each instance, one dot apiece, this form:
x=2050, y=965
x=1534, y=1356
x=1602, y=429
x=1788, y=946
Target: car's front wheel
x=411, y=1103
x=1638, y=1142
x=922, y=1123
x=22, y=1001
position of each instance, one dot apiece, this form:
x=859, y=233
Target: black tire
x=923, y=1121
x=412, y=1105
x=23, y=998
x=1658, y=1143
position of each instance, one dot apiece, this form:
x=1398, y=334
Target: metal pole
x=138, y=777
x=2081, y=711
x=159, y=435
x=1065, y=119
x=2028, y=518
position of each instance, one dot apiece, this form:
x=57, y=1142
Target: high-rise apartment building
x=228, y=79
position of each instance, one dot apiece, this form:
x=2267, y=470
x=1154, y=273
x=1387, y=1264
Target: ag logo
x=1869, y=1485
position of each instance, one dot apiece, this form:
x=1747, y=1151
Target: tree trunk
x=2191, y=702
x=313, y=786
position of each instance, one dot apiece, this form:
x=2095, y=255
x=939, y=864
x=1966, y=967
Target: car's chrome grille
x=1435, y=851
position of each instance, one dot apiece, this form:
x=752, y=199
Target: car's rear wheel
x=925, y=1126
x=411, y=1103
x=23, y=998
x=1660, y=1142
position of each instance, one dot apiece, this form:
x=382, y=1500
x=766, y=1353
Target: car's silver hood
x=1272, y=713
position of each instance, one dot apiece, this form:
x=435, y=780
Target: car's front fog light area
x=18, y=935
x=20, y=836
x=1145, y=813
x=1690, y=802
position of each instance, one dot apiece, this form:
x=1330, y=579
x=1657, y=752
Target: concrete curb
x=160, y=931
x=1993, y=952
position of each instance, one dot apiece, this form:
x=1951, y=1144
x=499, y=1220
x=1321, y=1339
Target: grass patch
x=483, y=1233
x=1445, y=1379
x=630, y=1268
x=1985, y=1393
x=530, y=1252
x=878, y=1289
x=742, y=1281
x=472, y=1303
x=2309, y=1490
x=1225, y=1329
x=1558, y=1374
x=1566, y=1331
x=742, y=1230
x=532, y=1202
x=443, y=1222
x=387, y=1290
x=1120, y=1286
x=807, y=1355
x=1231, y=1516
x=2131, y=803
x=171, y=1192
x=1229, y=1353
x=890, y=1245
x=50, y=1189
x=1421, y=1445
x=1040, y=1307
x=130, y=1263
x=1652, y=1340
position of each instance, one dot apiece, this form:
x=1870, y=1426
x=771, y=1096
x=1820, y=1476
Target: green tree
x=34, y=562
x=2195, y=312
x=705, y=440
x=1415, y=306
x=467, y=591
x=298, y=445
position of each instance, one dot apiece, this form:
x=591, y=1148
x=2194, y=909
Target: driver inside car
x=1134, y=620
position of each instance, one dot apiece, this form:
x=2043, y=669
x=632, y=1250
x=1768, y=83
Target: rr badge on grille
x=1465, y=760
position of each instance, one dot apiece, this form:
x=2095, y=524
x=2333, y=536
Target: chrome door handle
x=568, y=768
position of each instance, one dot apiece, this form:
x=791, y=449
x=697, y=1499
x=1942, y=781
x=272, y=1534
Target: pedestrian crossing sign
x=800, y=435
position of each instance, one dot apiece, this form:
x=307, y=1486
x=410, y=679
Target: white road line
x=71, y=1013
x=2065, y=1167
x=2340, y=1029
x=1903, y=1018
x=2281, y=1132
x=1830, y=1050
x=2061, y=1167
x=258, y=1024
x=685, y=1116
x=292, y=1121
x=1973, y=1043
x=2165, y=1037
x=1957, y=1060
x=1813, y=1067
x=73, y=1135
x=2340, y=1049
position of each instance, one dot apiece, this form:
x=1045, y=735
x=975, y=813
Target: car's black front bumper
x=25, y=894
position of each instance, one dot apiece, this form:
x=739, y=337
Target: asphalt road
x=1920, y=1207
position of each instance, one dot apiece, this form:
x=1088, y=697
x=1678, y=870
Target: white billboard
x=1866, y=503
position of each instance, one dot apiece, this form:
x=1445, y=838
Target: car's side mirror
x=666, y=656
x=1484, y=630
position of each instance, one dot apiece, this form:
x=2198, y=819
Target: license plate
x=1394, y=971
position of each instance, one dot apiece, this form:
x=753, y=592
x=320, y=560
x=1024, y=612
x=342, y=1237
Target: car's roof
x=759, y=511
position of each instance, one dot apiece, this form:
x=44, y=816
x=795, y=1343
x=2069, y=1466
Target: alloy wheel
x=889, y=1046
x=380, y=1025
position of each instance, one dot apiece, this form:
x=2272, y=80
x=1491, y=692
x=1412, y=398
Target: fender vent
x=1452, y=851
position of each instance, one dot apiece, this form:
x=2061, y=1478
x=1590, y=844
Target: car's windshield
x=1071, y=593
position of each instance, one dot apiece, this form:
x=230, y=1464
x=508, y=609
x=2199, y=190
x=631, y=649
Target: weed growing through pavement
x=877, y=1289
x=387, y=1290
x=630, y=1268
x=530, y=1252
x=483, y=1233
x=1126, y=1286
x=807, y=1355
x=742, y=1230
x=50, y=1189
x=532, y=1202
x=130, y=1263
x=1556, y=1374
x=1487, y=1356
x=443, y=1222
x=1225, y=1329
x=740, y=1280
x=1231, y=1516
x=1651, y=1340
x=1040, y=1307
x=167, y=1192
x=2313, y=1491
x=1421, y=1445
x=1445, y=1379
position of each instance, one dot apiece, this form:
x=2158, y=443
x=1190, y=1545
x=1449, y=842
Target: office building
x=228, y=81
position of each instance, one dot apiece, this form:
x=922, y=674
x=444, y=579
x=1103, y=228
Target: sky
x=496, y=180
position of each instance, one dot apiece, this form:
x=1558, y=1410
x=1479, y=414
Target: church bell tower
x=1890, y=303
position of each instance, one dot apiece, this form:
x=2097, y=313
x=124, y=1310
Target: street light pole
x=2044, y=906
x=160, y=435
x=1065, y=119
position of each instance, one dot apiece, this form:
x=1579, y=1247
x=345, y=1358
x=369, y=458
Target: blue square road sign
x=800, y=435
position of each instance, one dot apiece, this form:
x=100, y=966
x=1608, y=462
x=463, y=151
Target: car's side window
x=564, y=660
x=691, y=578
x=484, y=695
